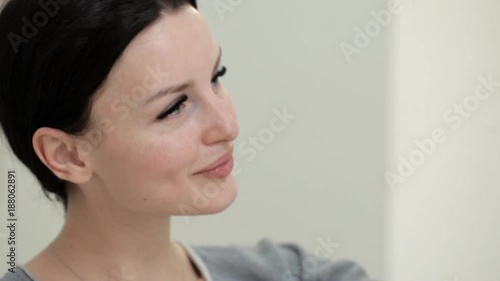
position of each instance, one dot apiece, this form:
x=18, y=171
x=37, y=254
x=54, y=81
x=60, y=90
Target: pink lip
x=222, y=167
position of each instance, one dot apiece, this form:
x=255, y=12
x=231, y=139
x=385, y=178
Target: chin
x=225, y=194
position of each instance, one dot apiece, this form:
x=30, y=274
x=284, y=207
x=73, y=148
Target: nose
x=220, y=120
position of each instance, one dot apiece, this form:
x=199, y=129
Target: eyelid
x=220, y=71
x=177, y=103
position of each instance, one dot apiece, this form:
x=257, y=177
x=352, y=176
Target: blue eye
x=174, y=109
x=220, y=73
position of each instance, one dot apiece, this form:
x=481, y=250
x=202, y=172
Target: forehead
x=179, y=44
x=174, y=34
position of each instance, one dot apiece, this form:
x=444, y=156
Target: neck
x=106, y=242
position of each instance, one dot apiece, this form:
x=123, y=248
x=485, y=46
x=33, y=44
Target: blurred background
x=388, y=142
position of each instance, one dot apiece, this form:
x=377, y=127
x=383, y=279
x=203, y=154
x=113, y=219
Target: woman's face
x=145, y=164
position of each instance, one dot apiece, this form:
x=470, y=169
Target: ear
x=60, y=154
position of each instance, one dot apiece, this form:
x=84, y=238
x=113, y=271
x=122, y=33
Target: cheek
x=155, y=169
x=132, y=160
x=166, y=158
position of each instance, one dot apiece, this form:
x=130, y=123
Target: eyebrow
x=180, y=87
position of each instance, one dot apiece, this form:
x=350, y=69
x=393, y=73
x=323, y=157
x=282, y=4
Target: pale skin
x=124, y=190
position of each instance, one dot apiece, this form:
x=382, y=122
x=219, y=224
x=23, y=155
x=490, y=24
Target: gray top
x=265, y=261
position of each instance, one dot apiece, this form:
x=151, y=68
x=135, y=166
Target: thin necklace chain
x=81, y=279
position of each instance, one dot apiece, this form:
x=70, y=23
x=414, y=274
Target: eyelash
x=219, y=74
x=184, y=98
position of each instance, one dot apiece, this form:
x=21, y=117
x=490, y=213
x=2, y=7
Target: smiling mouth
x=222, y=167
x=222, y=170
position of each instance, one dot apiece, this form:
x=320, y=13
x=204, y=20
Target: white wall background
x=444, y=222
x=319, y=178
x=323, y=175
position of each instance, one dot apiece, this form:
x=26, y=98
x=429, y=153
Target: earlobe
x=58, y=152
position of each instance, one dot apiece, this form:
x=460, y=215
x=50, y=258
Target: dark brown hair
x=54, y=56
